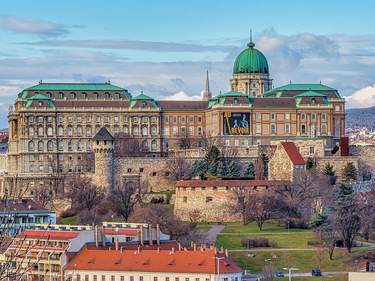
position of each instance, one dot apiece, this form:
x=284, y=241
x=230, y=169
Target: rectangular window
x=191, y=119
x=115, y=119
x=184, y=199
x=103, y=277
x=87, y=277
x=287, y=116
x=155, y=278
x=166, y=131
x=140, y=278
x=174, y=119
x=313, y=116
x=312, y=149
x=183, y=119
x=258, y=128
x=112, y=278
x=287, y=129
x=122, y=278
x=273, y=129
x=258, y=116
x=175, y=131
x=273, y=116
x=324, y=117
x=131, y=278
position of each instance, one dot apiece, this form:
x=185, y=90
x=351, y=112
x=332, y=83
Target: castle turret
x=103, y=149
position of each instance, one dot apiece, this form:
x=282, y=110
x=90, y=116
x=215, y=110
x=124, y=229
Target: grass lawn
x=338, y=277
x=288, y=240
x=70, y=220
x=303, y=260
x=238, y=227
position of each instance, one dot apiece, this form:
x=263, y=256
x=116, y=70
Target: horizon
x=157, y=48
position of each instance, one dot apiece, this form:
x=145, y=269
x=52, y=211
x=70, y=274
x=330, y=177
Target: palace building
x=52, y=125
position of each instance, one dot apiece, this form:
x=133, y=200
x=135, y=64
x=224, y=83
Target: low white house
x=154, y=264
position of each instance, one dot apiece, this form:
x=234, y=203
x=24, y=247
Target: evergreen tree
x=212, y=168
x=310, y=163
x=250, y=171
x=265, y=160
x=330, y=173
x=212, y=154
x=221, y=170
x=199, y=168
x=349, y=172
x=234, y=169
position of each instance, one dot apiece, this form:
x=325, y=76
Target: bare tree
x=44, y=195
x=328, y=236
x=128, y=146
x=125, y=197
x=85, y=197
x=260, y=207
x=178, y=168
x=268, y=273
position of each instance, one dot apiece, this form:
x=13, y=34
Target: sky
x=164, y=47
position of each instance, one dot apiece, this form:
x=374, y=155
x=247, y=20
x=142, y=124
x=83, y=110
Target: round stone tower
x=103, y=144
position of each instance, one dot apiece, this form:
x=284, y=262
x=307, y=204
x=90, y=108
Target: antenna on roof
x=40, y=81
x=109, y=82
x=290, y=81
x=320, y=81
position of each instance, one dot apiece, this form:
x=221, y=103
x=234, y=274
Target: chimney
x=150, y=234
x=103, y=235
x=96, y=234
x=195, y=247
x=226, y=252
x=157, y=234
x=172, y=249
x=179, y=246
x=141, y=235
x=116, y=244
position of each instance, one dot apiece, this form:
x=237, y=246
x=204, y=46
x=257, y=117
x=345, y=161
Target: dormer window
x=107, y=95
x=40, y=103
x=235, y=101
x=72, y=95
x=313, y=101
x=144, y=104
x=61, y=95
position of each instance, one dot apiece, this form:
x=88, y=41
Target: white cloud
x=364, y=97
x=181, y=95
x=33, y=26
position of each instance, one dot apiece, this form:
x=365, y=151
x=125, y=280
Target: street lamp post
x=290, y=269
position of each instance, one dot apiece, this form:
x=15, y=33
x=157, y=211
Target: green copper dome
x=250, y=60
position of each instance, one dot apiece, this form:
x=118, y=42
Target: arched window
x=31, y=146
x=79, y=131
x=84, y=95
x=116, y=129
x=79, y=146
x=61, y=95
x=144, y=130
x=154, y=145
x=31, y=131
x=60, y=145
x=49, y=131
x=107, y=95
x=40, y=131
x=49, y=145
x=126, y=130
x=60, y=131
x=154, y=130
x=303, y=129
x=72, y=95
x=135, y=130
x=40, y=146
x=88, y=131
x=70, y=131
x=145, y=145
x=324, y=129
x=95, y=96
x=70, y=145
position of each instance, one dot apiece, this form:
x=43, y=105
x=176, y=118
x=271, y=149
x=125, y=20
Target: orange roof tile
x=293, y=153
x=188, y=261
x=48, y=234
x=121, y=231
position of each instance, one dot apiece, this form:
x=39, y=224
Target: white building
x=154, y=264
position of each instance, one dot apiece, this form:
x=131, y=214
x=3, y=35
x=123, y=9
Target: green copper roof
x=232, y=94
x=303, y=87
x=311, y=94
x=250, y=60
x=142, y=97
x=220, y=99
x=314, y=88
x=75, y=87
x=39, y=97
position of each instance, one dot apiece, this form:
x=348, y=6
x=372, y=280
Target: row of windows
x=106, y=119
x=286, y=116
x=39, y=119
x=51, y=146
x=86, y=277
x=176, y=131
x=40, y=131
x=183, y=119
x=83, y=95
x=287, y=129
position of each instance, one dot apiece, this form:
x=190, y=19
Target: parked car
x=316, y=272
x=279, y=274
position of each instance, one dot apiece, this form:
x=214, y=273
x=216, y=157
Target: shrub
x=313, y=243
x=257, y=242
x=68, y=213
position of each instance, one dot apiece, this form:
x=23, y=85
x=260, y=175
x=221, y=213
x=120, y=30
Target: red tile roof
x=188, y=261
x=181, y=105
x=121, y=231
x=293, y=153
x=48, y=234
x=229, y=183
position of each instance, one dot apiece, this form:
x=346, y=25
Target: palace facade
x=52, y=125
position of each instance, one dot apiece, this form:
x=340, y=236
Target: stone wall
x=205, y=204
x=308, y=148
x=338, y=163
x=366, y=154
x=280, y=167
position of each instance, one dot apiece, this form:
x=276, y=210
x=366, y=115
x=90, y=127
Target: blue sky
x=164, y=47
